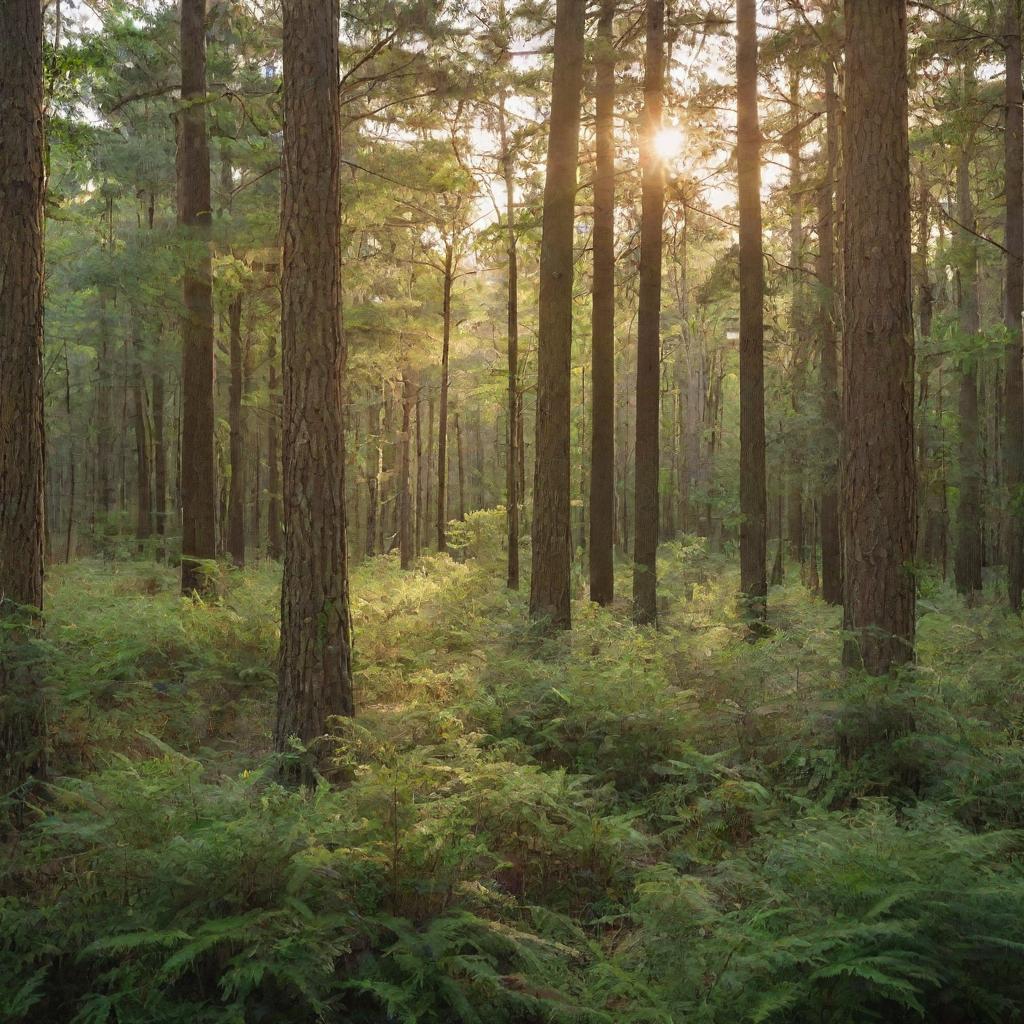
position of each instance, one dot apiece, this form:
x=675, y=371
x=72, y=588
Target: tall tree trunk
x=273, y=471
x=1013, y=444
x=418, y=525
x=753, y=495
x=831, y=549
x=513, y=497
x=967, y=563
x=374, y=460
x=22, y=466
x=602, y=446
x=878, y=510
x=198, y=464
x=159, y=465
x=462, y=468
x=648, y=336
x=315, y=663
x=428, y=502
x=69, y=537
x=795, y=497
x=552, y=544
x=442, y=423
x=405, y=516
x=236, y=426
x=143, y=462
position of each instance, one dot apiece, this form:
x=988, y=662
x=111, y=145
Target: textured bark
x=753, y=496
x=198, y=463
x=273, y=455
x=648, y=336
x=236, y=426
x=143, y=462
x=831, y=549
x=967, y=563
x=513, y=497
x=602, y=446
x=442, y=419
x=429, y=468
x=461, y=462
x=374, y=459
x=798, y=383
x=1013, y=441
x=315, y=665
x=405, y=511
x=418, y=524
x=552, y=544
x=879, y=512
x=22, y=525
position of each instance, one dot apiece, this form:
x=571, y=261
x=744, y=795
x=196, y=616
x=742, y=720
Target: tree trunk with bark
x=967, y=563
x=550, y=599
x=442, y=421
x=879, y=503
x=22, y=467
x=602, y=376
x=753, y=494
x=648, y=336
x=236, y=426
x=1013, y=442
x=198, y=462
x=405, y=511
x=315, y=663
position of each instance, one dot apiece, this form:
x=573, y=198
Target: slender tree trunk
x=198, y=463
x=143, y=462
x=753, y=496
x=22, y=466
x=315, y=663
x=418, y=526
x=442, y=423
x=273, y=471
x=236, y=426
x=602, y=446
x=405, y=516
x=428, y=502
x=879, y=512
x=1013, y=446
x=831, y=549
x=552, y=543
x=462, y=468
x=795, y=498
x=374, y=460
x=967, y=563
x=69, y=539
x=513, y=496
x=648, y=337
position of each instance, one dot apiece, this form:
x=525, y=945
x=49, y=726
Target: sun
x=668, y=143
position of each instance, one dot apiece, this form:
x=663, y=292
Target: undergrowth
x=615, y=825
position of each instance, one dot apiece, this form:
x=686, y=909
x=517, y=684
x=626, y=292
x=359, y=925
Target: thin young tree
x=602, y=375
x=648, y=335
x=198, y=464
x=236, y=425
x=22, y=526
x=552, y=544
x=315, y=667
x=753, y=494
x=878, y=507
x=1013, y=446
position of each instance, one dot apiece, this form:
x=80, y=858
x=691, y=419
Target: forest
x=511, y=512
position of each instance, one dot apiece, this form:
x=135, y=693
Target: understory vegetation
x=614, y=825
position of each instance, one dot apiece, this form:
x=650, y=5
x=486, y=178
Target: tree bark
x=143, y=462
x=236, y=427
x=513, y=497
x=967, y=562
x=552, y=543
x=648, y=336
x=273, y=470
x=315, y=664
x=22, y=466
x=442, y=421
x=405, y=512
x=602, y=376
x=753, y=495
x=831, y=549
x=879, y=501
x=198, y=463
x=1013, y=443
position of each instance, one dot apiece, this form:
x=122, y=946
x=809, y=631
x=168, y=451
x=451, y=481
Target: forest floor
x=616, y=824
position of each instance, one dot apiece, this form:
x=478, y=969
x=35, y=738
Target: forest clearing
x=512, y=512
